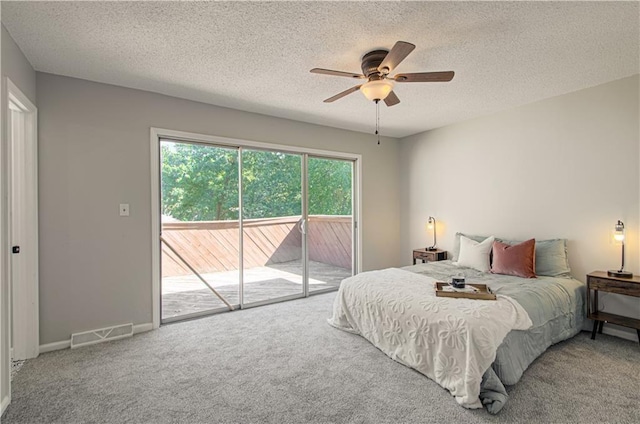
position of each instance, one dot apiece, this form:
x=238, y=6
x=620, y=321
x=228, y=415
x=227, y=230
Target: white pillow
x=474, y=254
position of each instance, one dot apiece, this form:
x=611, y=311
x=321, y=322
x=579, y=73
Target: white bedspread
x=451, y=341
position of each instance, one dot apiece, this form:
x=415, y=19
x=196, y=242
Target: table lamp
x=431, y=225
x=618, y=235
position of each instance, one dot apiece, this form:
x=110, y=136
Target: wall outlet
x=124, y=209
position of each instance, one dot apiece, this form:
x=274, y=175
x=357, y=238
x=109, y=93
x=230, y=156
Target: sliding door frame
x=156, y=134
x=241, y=268
x=355, y=201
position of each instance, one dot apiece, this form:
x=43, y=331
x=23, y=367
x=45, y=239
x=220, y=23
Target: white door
x=23, y=224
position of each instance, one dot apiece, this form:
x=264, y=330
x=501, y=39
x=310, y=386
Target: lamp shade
x=618, y=234
x=377, y=90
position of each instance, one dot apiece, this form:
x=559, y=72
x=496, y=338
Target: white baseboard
x=50, y=347
x=65, y=344
x=5, y=402
x=141, y=328
x=619, y=332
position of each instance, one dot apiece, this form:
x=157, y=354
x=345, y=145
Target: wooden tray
x=484, y=292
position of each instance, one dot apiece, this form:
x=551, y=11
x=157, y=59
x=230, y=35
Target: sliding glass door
x=271, y=225
x=200, y=229
x=244, y=226
x=330, y=222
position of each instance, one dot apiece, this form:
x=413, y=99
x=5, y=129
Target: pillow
x=475, y=254
x=456, y=243
x=551, y=257
x=518, y=259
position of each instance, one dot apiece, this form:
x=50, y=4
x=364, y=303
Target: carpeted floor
x=284, y=364
x=15, y=367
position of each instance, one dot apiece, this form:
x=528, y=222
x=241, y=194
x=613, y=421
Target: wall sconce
x=431, y=225
x=618, y=235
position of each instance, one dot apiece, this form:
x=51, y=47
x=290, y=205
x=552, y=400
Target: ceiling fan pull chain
x=378, y=120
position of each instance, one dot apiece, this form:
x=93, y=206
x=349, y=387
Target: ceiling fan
x=376, y=66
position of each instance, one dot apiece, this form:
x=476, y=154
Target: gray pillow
x=551, y=257
x=456, y=243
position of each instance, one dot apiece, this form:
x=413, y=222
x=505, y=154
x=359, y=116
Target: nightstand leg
x=600, y=327
x=595, y=328
x=638, y=335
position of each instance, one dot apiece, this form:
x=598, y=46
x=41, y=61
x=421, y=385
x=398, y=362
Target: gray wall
x=565, y=167
x=95, y=267
x=16, y=67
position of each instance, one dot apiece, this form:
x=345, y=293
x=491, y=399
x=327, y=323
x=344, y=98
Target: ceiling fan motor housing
x=379, y=85
x=370, y=63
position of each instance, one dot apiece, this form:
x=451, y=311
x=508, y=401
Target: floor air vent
x=101, y=335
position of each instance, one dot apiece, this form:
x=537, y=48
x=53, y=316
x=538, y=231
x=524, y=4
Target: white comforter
x=451, y=341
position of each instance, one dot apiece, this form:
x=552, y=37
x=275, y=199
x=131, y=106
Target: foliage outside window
x=200, y=183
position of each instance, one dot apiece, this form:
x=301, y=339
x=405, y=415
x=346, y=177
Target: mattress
x=555, y=306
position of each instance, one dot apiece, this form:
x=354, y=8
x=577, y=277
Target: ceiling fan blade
x=425, y=77
x=396, y=55
x=391, y=99
x=341, y=95
x=336, y=73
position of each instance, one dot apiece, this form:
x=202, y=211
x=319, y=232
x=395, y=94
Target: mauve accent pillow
x=518, y=260
x=551, y=257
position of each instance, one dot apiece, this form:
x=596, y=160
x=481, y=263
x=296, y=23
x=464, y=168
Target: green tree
x=200, y=183
x=329, y=186
x=271, y=184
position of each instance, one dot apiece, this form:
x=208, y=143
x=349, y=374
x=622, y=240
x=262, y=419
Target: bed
x=473, y=348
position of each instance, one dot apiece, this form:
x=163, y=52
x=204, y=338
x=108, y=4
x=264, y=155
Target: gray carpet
x=284, y=364
x=15, y=367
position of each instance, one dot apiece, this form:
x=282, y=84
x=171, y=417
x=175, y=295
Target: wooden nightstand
x=600, y=281
x=429, y=255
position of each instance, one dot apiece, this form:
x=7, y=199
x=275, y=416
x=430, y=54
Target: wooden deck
x=272, y=260
x=186, y=294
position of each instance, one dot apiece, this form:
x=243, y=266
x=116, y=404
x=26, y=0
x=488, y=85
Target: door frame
x=24, y=294
x=158, y=133
x=355, y=228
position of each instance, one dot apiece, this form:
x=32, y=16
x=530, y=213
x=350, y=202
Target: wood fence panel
x=330, y=240
x=212, y=246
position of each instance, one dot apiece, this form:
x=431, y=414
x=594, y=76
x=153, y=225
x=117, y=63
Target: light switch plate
x=124, y=209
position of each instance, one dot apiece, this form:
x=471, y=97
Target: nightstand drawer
x=425, y=255
x=597, y=283
x=429, y=255
x=628, y=288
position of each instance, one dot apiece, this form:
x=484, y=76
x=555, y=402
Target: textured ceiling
x=256, y=56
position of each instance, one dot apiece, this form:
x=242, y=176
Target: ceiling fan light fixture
x=377, y=89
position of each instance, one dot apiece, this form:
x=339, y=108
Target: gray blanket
x=556, y=307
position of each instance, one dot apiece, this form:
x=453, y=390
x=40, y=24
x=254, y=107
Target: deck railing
x=212, y=246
